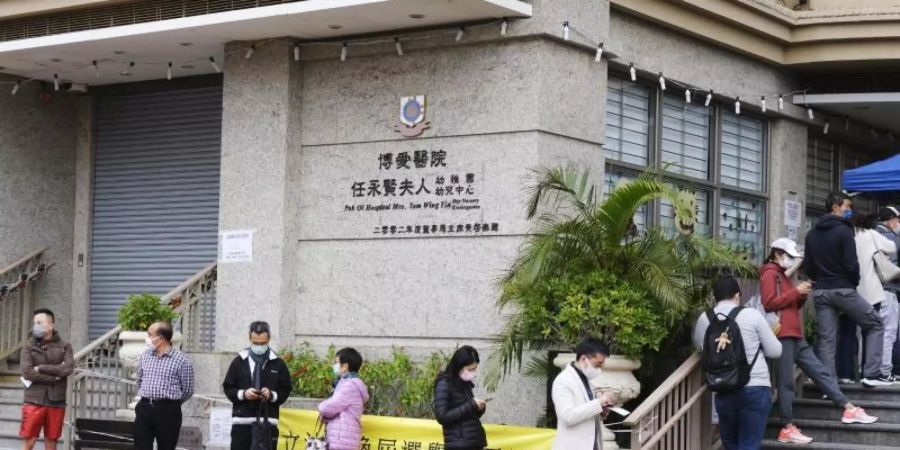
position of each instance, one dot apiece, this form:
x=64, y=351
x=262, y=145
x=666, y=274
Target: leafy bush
x=142, y=310
x=397, y=386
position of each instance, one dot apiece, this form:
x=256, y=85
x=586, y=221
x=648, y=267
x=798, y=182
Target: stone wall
x=37, y=178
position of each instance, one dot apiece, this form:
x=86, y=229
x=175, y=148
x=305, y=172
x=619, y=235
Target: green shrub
x=142, y=310
x=397, y=386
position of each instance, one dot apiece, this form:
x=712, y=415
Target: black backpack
x=725, y=365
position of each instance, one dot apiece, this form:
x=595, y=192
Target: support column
x=787, y=173
x=260, y=123
x=84, y=193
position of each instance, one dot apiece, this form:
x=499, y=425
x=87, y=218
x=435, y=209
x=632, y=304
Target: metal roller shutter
x=156, y=194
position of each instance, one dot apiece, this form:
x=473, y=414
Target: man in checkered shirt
x=165, y=380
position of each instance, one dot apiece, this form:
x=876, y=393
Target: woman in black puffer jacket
x=455, y=407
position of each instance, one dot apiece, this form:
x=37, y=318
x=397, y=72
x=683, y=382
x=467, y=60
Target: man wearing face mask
x=165, y=380
x=258, y=382
x=832, y=264
x=578, y=410
x=889, y=227
x=47, y=362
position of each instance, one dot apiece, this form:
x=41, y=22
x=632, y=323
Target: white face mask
x=787, y=262
x=590, y=372
x=467, y=375
x=896, y=229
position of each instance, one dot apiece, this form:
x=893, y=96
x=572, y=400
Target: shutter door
x=156, y=194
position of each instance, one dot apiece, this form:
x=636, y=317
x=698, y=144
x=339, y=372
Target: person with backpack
x=731, y=339
x=831, y=263
x=779, y=295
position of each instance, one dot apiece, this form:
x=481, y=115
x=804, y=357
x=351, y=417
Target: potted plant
x=135, y=316
x=586, y=270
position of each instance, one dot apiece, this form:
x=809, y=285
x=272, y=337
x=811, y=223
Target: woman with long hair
x=455, y=406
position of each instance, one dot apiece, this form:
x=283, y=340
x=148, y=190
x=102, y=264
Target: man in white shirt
x=743, y=412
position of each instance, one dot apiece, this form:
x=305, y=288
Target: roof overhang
x=189, y=42
x=879, y=109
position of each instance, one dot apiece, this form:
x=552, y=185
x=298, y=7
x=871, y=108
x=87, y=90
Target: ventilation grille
x=120, y=15
x=851, y=83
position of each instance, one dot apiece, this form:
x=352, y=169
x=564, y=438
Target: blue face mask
x=848, y=214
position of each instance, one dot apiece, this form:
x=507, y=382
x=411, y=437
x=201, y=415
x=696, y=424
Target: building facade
x=357, y=167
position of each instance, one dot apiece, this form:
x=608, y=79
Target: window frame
x=713, y=186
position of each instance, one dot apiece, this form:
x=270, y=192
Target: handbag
x=317, y=440
x=261, y=429
x=887, y=271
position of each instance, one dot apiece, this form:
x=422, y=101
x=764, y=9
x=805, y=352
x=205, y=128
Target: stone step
x=10, y=423
x=12, y=390
x=884, y=434
x=858, y=392
x=806, y=408
x=775, y=445
x=12, y=441
x=10, y=376
x=10, y=406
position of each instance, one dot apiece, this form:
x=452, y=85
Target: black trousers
x=157, y=421
x=241, y=437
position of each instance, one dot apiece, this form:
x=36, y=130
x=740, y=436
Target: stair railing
x=677, y=415
x=101, y=386
x=20, y=290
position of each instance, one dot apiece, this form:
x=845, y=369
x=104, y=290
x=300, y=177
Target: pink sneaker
x=857, y=415
x=792, y=435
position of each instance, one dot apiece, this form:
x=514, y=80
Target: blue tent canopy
x=878, y=177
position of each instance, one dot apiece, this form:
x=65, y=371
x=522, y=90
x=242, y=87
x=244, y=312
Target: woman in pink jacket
x=342, y=412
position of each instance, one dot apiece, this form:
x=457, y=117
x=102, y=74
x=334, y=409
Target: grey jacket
x=55, y=362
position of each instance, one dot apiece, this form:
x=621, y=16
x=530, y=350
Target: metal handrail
x=675, y=416
x=100, y=388
x=168, y=297
x=19, y=292
x=23, y=261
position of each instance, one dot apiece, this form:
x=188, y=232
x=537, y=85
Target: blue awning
x=880, y=176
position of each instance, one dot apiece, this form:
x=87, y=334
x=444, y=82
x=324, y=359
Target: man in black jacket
x=257, y=383
x=831, y=262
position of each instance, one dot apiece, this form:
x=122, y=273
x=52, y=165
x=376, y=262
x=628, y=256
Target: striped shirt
x=169, y=376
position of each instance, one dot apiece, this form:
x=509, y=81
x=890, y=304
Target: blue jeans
x=742, y=417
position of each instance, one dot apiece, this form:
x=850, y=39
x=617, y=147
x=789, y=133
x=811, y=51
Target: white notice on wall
x=219, y=427
x=792, y=213
x=237, y=246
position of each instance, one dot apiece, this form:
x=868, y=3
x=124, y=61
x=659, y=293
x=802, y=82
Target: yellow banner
x=396, y=433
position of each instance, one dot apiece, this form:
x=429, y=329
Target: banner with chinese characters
x=463, y=187
x=396, y=433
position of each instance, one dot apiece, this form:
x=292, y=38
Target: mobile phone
x=488, y=399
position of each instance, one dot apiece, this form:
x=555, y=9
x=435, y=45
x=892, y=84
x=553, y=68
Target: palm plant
x=579, y=238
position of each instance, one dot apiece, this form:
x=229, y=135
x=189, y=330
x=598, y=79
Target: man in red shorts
x=46, y=363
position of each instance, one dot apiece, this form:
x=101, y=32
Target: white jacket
x=576, y=414
x=867, y=243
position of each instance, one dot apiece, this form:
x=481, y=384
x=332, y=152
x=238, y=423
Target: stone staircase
x=820, y=419
x=11, y=391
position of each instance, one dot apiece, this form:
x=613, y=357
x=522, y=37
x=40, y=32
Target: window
x=685, y=138
x=627, y=122
x=820, y=178
x=742, y=225
x=646, y=128
x=826, y=161
x=742, y=151
x=613, y=179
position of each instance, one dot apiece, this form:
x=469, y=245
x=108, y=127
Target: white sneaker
x=876, y=382
x=845, y=381
x=857, y=415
